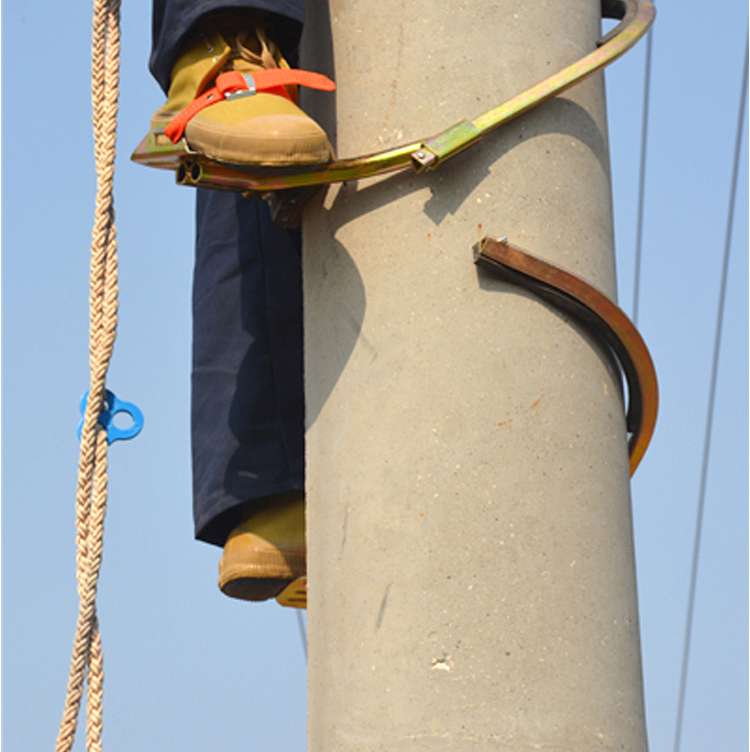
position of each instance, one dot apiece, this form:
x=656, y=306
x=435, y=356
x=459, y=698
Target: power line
x=302, y=631
x=711, y=401
x=642, y=176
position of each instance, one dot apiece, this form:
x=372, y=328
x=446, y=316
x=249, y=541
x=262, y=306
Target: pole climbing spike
x=106, y=418
x=294, y=595
x=193, y=169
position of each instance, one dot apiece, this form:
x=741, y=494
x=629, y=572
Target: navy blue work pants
x=247, y=410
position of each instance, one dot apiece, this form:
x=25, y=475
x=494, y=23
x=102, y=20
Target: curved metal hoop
x=192, y=169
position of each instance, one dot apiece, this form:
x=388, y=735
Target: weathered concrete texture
x=471, y=569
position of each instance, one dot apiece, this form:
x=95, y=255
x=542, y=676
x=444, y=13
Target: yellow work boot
x=260, y=129
x=266, y=551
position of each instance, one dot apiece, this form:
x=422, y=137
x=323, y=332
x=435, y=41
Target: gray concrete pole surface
x=471, y=572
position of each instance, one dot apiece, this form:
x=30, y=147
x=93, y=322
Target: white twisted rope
x=91, y=500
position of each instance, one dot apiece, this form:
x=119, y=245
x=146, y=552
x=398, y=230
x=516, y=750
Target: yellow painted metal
x=295, y=594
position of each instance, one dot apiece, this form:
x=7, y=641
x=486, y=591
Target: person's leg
x=247, y=398
x=247, y=404
x=247, y=394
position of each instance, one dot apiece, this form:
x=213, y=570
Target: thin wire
x=711, y=401
x=302, y=631
x=642, y=176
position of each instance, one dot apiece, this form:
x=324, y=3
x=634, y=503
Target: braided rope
x=91, y=497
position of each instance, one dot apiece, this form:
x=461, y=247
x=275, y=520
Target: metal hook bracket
x=596, y=312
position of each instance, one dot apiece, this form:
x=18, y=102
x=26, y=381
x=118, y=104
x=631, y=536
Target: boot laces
x=259, y=51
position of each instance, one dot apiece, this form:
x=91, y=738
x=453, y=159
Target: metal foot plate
x=294, y=595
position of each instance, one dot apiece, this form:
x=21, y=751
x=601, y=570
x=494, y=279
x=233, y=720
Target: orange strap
x=234, y=83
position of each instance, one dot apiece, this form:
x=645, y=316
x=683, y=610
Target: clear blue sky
x=190, y=670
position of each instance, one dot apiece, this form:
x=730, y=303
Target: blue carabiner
x=106, y=417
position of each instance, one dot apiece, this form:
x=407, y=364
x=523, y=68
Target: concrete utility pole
x=472, y=583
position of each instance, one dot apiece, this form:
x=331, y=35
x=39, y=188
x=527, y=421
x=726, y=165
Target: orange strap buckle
x=233, y=85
